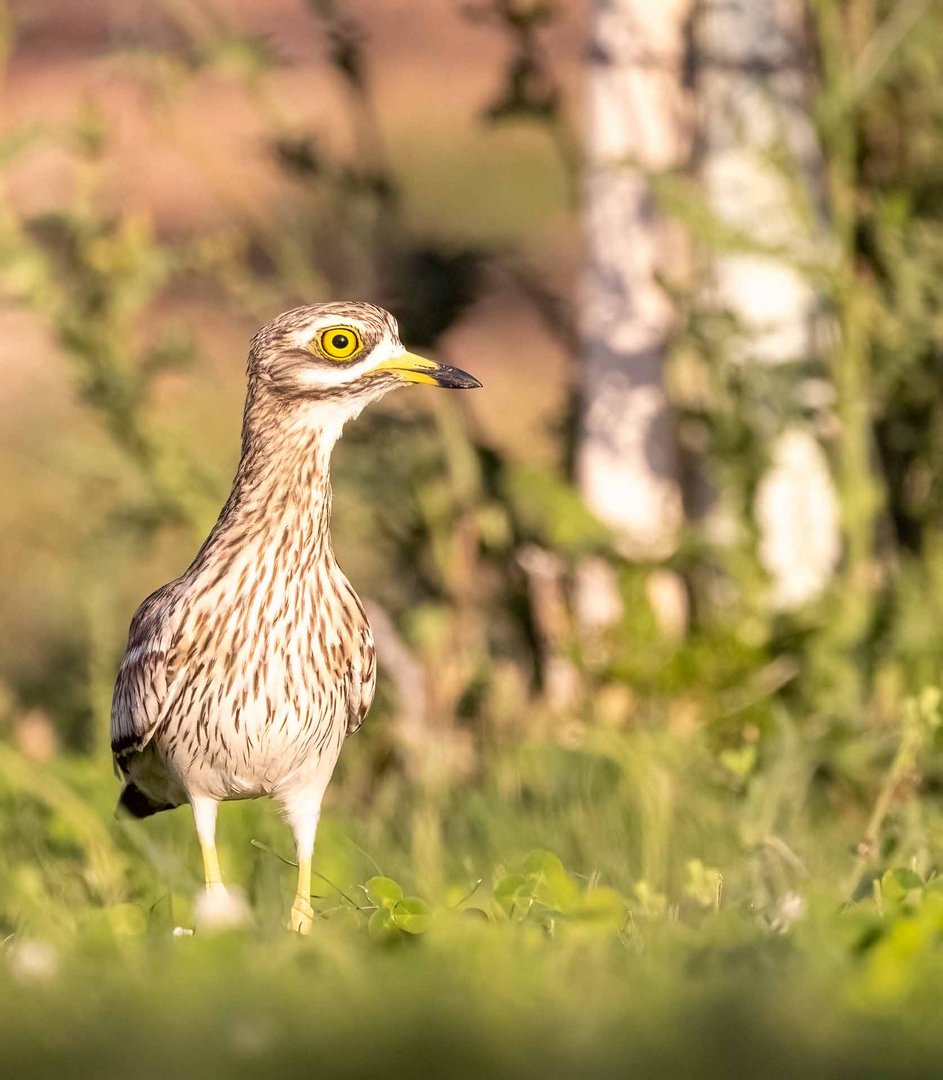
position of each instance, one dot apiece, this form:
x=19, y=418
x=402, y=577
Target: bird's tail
x=133, y=801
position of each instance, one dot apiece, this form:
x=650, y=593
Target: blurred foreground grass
x=627, y=904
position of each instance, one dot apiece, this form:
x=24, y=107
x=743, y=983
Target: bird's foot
x=219, y=908
x=301, y=920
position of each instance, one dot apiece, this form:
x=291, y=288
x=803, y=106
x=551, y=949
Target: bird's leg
x=217, y=908
x=302, y=913
x=302, y=814
x=204, y=814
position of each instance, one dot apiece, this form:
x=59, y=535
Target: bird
x=243, y=677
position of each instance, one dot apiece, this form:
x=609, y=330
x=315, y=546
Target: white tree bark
x=799, y=522
x=754, y=106
x=625, y=460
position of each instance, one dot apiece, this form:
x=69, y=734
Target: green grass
x=679, y=916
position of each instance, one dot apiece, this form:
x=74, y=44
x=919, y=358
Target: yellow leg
x=204, y=814
x=302, y=810
x=211, y=874
x=301, y=919
x=217, y=908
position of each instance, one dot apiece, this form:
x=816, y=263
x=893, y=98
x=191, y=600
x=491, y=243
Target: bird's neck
x=281, y=494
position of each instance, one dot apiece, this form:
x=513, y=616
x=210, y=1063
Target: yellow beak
x=417, y=369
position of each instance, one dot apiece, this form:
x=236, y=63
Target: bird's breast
x=263, y=653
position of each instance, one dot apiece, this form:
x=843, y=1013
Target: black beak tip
x=455, y=379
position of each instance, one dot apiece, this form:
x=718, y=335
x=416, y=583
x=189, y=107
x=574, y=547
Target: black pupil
x=340, y=341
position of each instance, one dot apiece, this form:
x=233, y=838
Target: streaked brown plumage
x=243, y=676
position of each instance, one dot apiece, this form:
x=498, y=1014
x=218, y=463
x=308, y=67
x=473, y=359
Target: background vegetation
x=708, y=841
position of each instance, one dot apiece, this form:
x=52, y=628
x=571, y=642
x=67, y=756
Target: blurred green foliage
x=717, y=851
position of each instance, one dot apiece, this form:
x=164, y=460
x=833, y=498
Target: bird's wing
x=144, y=675
x=362, y=673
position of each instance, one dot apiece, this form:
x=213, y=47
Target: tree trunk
x=625, y=455
x=762, y=172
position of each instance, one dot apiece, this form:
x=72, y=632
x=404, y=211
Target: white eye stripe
x=324, y=372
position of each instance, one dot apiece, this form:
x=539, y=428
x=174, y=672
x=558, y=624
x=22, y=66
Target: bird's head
x=342, y=353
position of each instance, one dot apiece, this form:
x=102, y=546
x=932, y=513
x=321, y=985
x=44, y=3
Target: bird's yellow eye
x=339, y=342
